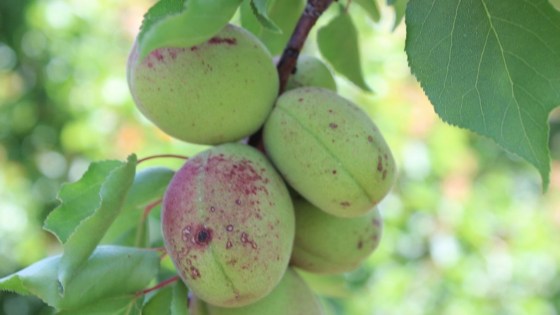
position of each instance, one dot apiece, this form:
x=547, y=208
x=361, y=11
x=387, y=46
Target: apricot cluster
x=232, y=228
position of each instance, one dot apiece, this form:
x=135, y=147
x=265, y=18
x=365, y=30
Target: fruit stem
x=158, y=286
x=162, y=156
x=287, y=64
x=307, y=20
x=149, y=208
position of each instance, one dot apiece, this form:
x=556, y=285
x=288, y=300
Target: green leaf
x=338, y=43
x=128, y=304
x=284, y=14
x=89, y=206
x=492, y=67
x=110, y=271
x=179, y=304
x=371, y=8
x=400, y=7
x=159, y=303
x=170, y=24
x=261, y=13
x=149, y=186
x=170, y=300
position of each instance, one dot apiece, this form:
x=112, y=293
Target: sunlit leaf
x=284, y=14
x=260, y=9
x=110, y=271
x=338, y=43
x=492, y=67
x=88, y=207
x=371, y=8
x=168, y=24
x=400, y=7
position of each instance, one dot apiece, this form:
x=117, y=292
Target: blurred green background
x=467, y=227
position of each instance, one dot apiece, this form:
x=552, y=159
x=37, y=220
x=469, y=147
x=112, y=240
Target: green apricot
x=327, y=244
x=228, y=225
x=291, y=296
x=219, y=91
x=329, y=151
x=311, y=71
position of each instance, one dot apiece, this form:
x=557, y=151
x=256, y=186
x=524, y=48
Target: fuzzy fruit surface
x=228, y=225
x=311, y=71
x=216, y=92
x=291, y=296
x=327, y=244
x=329, y=151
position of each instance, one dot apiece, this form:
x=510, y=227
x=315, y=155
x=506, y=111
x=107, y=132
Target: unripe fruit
x=329, y=151
x=292, y=296
x=219, y=91
x=327, y=244
x=228, y=225
x=311, y=71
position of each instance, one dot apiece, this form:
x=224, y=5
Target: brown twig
x=287, y=63
x=158, y=286
x=307, y=20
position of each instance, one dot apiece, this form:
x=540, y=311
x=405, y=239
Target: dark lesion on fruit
x=203, y=236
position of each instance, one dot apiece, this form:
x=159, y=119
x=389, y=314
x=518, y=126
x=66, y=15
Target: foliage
x=467, y=229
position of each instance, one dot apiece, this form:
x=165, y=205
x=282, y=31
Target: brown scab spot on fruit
x=156, y=54
x=195, y=274
x=384, y=174
x=212, y=209
x=334, y=172
x=229, y=228
x=360, y=244
x=300, y=99
x=238, y=202
x=245, y=240
x=379, y=164
x=370, y=139
x=186, y=233
x=229, y=245
x=222, y=40
x=333, y=125
x=345, y=204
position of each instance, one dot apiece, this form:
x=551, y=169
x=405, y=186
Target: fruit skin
x=216, y=92
x=311, y=71
x=228, y=225
x=327, y=244
x=329, y=151
x=291, y=296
